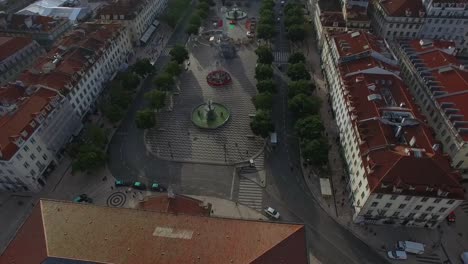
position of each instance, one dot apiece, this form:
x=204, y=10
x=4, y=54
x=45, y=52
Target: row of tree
x=294, y=21
x=164, y=82
x=305, y=108
x=200, y=13
x=261, y=123
x=266, y=23
x=174, y=11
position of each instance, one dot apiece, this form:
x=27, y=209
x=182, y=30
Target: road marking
x=250, y=194
x=232, y=183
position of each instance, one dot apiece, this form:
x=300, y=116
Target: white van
x=411, y=247
x=273, y=138
x=397, y=254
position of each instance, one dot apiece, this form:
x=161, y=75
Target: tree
x=143, y=67
x=175, y=9
x=267, y=5
x=120, y=97
x=263, y=72
x=265, y=31
x=164, y=81
x=89, y=157
x=95, y=136
x=294, y=20
x=195, y=20
x=265, y=56
x=113, y=112
x=130, y=80
x=315, y=151
x=297, y=72
x=267, y=17
x=145, y=119
x=296, y=33
x=266, y=86
x=263, y=101
x=297, y=57
x=309, y=128
x=203, y=6
x=261, y=124
x=192, y=29
x=156, y=98
x=202, y=12
x=302, y=105
x=300, y=87
x=179, y=53
x=173, y=68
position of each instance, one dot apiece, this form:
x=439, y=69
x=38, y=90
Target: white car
x=250, y=34
x=272, y=213
x=397, y=254
x=282, y=2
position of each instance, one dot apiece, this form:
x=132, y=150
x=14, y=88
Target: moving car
x=282, y=3
x=411, y=247
x=397, y=254
x=119, y=183
x=158, y=187
x=139, y=185
x=451, y=217
x=83, y=198
x=272, y=213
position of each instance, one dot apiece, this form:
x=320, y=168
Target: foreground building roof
x=71, y=231
x=398, y=151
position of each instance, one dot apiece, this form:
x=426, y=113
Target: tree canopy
x=298, y=71
x=265, y=55
x=266, y=86
x=263, y=101
x=156, y=98
x=89, y=157
x=262, y=124
x=302, y=105
x=297, y=57
x=145, y=119
x=263, y=72
x=179, y=53
x=265, y=31
x=173, y=68
x=164, y=81
x=300, y=87
x=315, y=151
x=143, y=67
x=296, y=32
x=309, y=127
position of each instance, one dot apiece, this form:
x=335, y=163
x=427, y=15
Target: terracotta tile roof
x=403, y=8
x=122, y=7
x=332, y=19
x=10, y=45
x=180, y=204
x=11, y=125
x=330, y=5
x=119, y=235
x=349, y=44
x=356, y=13
x=38, y=23
x=449, y=77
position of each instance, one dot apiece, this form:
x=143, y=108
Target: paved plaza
x=176, y=138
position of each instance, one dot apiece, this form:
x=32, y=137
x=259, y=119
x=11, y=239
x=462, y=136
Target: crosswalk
x=281, y=56
x=250, y=194
x=259, y=165
x=433, y=259
x=464, y=207
x=166, y=51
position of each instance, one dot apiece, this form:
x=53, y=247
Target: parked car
x=451, y=217
x=411, y=247
x=158, y=187
x=397, y=254
x=83, y=198
x=250, y=34
x=139, y=185
x=272, y=213
x=119, y=183
x=232, y=22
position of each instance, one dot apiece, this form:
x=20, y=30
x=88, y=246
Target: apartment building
x=426, y=19
x=355, y=14
x=439, y=84
x=397, y=19
x=81, y=62
x=16, y=54
x=140, y=17
x=35, y=124
x=328, y=18
x=398, y=174
x=45, y=30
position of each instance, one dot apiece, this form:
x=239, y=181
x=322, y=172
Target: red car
x=451, y=217
x=232, y=22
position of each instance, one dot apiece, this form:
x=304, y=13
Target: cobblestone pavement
x=176, y=138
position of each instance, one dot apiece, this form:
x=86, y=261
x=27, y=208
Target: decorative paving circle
x=210, y=115
x=117, y=199
x=218, y=78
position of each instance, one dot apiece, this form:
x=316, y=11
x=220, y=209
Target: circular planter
x=200, y=116
x=240, y=14
x=218, y=78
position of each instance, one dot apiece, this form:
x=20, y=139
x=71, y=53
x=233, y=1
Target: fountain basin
x=200, y=116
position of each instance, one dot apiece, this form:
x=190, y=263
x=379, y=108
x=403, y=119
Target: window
x=393, y=197
x=437, y=200
x=430, y=208
x=435, y=217
x=452, y=147
x=26, y=165
x=447, y=139
x=417, y=207
x=424, y=199
x=387, y=205
x=374, y=204
x=32, y=156
x=411, y=215
x=369, y=212
x=450, y=201
x=443, y=209
x=423, y=216
x=402, y=206
x=382, y=212
x=19, y=156
x=44, y=157
x=39, y=149
x=407, y=198
x=395, y=214
x=360, y=184
x=33, y=172
x=362, y=194
x=26, y=148
x=33, y=141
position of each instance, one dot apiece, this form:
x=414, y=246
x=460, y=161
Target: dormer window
x=24, y=133
x=383, y=186
x=32, y=124
x=397, y=190
x=47, y=107
x=429, y=189
x=442, y=193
